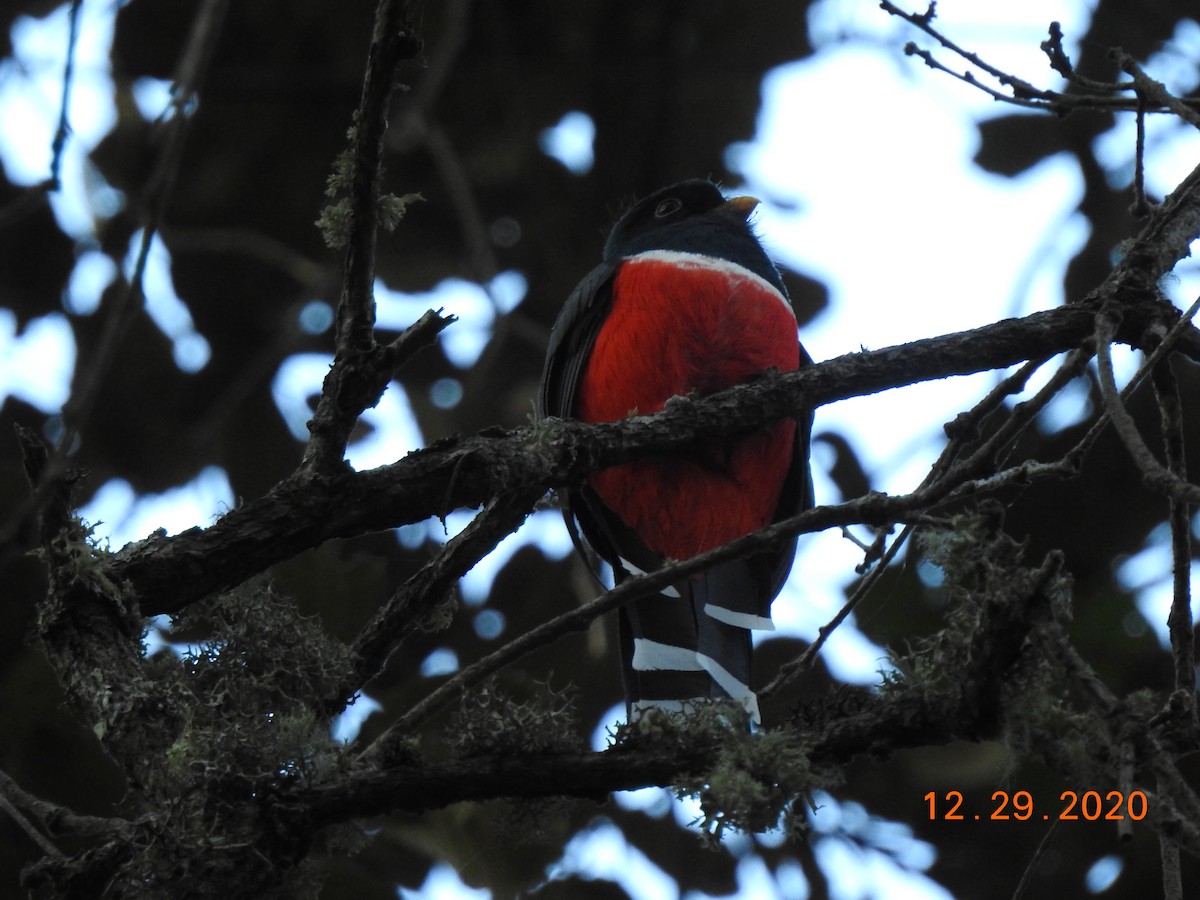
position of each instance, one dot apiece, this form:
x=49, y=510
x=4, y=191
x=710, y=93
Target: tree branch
x=1158, y=478
x=410, y=608
x=1091, y=94
x=306, y=509
x=360, y=372
x=1179, y=621
x=908, y=715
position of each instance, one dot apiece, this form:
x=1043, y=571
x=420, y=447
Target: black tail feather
x=674, y=652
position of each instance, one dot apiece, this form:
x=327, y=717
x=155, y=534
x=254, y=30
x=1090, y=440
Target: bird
x=684, y=302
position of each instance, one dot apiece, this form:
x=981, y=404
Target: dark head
x=694, y=217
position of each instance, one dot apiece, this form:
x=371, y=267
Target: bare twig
x=357, y=377
x=1030, y=869
x=1061, y=63
x=1172, y=872
x=1090, y=94
x=206, y=29
x=1022, y=89
x=54, y=818
x=411, y=606
x=1179, y=621
x=64, y=124
x=1141, y=206
x=1076, y=454
x=802, y=663
x=1155, y=91
x=964, y=430
x=874, y=508
x=1157, y=477
x=44, y=843
x=415, y=337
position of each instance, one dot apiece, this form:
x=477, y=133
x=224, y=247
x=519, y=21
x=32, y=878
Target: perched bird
x=684, y=301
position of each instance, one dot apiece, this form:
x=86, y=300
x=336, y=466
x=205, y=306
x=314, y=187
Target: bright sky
x=871, y=153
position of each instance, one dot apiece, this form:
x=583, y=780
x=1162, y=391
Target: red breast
x=681, y=323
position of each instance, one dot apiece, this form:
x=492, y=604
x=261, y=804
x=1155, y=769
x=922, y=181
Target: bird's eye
x=668, y=207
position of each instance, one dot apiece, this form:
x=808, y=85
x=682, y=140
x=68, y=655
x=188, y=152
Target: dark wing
x=797, y=494
x=571, y=341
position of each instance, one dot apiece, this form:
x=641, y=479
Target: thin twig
x=412, y=605
x=356, y=379
x=58, y=819
x=44, y=843
x=1075, y=455
x=1172, y=871
x=1157, y=477
x=874, y=508
x=963, y=431
x=64, y=124
x=1179, y=621
x=206, y=29
x=1027, y=874
x=1155, y=90
x=1141, y=206
x=802, y=663
x=1095, y=95
x=924, y=22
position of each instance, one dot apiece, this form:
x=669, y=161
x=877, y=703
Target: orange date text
x=1089, y=806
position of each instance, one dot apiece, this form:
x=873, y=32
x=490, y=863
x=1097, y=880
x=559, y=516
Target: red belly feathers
x=682, y=322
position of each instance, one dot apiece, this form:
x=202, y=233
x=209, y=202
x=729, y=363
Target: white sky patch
x=299, y=377
x=602, y=852
x=1148, y=574
x=476, y=306
x=394, y=431
x=442, y=661
x=884, y=860
x=394, y=428
x=570, y=141
x=441, y=883
x=1104, y=873
x=933, y=241
x=31, y=97
x=37, y=365
x=152, y=96
x=544, y=530
x=164, y=305
x=346, y=726
x=119, y=515
x=93, y=273
x=905, y=231
x=31, y=88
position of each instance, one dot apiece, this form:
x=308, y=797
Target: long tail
x=695, y=644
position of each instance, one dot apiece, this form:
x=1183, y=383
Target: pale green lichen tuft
x=393, y=208
x=492, y=720
x=756, y=781
x=336, y=221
